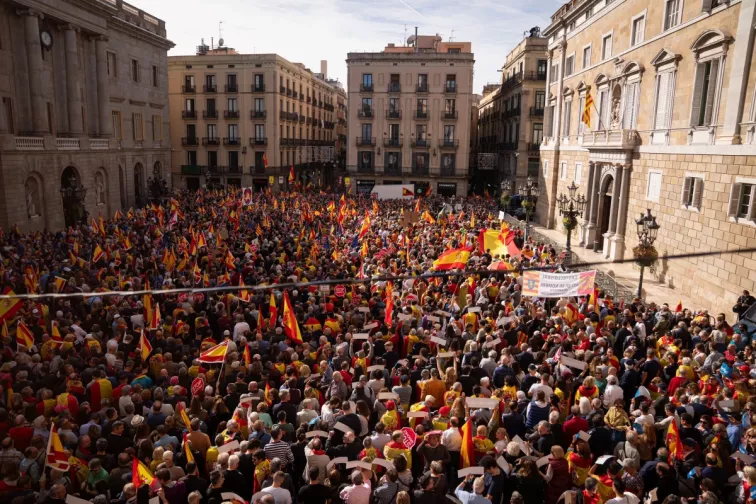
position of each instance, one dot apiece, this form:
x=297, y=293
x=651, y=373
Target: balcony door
x=189, y=105
x=212, y=158
x=191, y=131
x=259, y=132
x=212, y=131
x=367, y=132
x=393, y=131
x=449, y=134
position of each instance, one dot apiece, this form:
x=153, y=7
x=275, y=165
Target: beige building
x=672, y=130
x=232, y=112
x=511, y=115
x=409, y=110
x=84, y=116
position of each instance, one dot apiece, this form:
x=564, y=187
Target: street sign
x=340, y=291
x=198, y=385
x=409, y=438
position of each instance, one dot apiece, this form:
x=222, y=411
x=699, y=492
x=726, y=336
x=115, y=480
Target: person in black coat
x=233, y=480
x=193, y=481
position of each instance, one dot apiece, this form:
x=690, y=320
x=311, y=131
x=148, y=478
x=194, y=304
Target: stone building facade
x=84, y=96
x=231, y=112
x=409, y=116
x=672, y=130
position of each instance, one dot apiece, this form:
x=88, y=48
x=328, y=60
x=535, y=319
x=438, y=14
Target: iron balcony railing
x=448, y=143
x=258, y=141
x=231, y=114
x=450, y=115
x=210, y=88
x=536, y=112
x=231, y=141
x=257, y=114
x=421, y=114
x=422, y=88
x=448, y=171
x=422, y=142
x=282, y=90
x=393, y=114
x=394, y=87
x=366, y=88
x=192, y=170
x=420, y=170
x=450, y=88
x=365, y=112
x=188, y=141
x=534, y=147
x=232, y=88
x=210, y=114
x=188, y=88
x=210, y=141
x=258, y=88
x=366, y=141
x=393, y=142
x=189, y=114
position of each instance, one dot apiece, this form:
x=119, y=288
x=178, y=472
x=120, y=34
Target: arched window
x=33, y=197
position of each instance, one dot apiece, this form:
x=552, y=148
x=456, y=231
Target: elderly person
x=358, y=492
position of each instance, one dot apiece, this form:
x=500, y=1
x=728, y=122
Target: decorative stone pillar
x=613, y=211
x=75, y=123
x=591, y=230
x=34, y=63
x=588, y=206
x=624, y=201
x=103, y=91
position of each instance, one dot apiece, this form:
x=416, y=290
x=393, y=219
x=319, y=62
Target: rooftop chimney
x=324, y=68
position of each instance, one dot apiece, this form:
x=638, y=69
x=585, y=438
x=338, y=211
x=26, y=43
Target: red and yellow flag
x=290, y=324
x=674, y=443
x=467, y=452
x=679, y=307
x=187, y=449
x=365, y=226
x=291, y=174
x=214, y=355
x=406, y=192
x=60, y=283
x=273, y=311
x=97, y=254
x=145, y=348
x=389, y=316
x=497, y=243
x=586, y=118
x=452, y=259
x=56, y=455
x=9, y=307
x=55, y=334
x=182, y=413
x=268, y=400
x=140, y=473
x=24, y=337
x=247, y=356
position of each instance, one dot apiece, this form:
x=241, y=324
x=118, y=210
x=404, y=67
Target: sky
x=308, y=31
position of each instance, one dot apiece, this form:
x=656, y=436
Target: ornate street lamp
x=570, y=207
x=529, y=194
x=645, y=254
x=506, y=194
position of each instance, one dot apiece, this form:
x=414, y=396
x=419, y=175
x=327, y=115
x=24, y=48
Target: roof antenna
x=451, y=37
x=220, y=34
x=404, y=40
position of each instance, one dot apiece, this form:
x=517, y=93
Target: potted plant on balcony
x=645, y=256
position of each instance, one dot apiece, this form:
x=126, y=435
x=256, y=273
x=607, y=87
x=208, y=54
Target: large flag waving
x=273, y=311
x=24, y=336
x=452, y=259
x=140, y=473
x=467, y=452
x=674, y=443
x=145, y=348
x=497, y=243
x=56, y=455
x=9, y=306
x=586, y=119
x=214, y=355
x=365, y=226
x=290, y=324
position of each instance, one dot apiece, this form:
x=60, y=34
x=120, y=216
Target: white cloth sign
x=556, y=285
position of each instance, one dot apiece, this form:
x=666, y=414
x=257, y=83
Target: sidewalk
x=626, y=275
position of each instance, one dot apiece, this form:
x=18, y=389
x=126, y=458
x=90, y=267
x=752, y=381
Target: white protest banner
x=474, y=309
x=388, y=395
x=727, y=405
x=404, y=317
x=343, y=428
x=603, y=459
x=383, y=463
x=318, y=433
x=362, y=465
x=439, y=341
x=370, y=326
x=470, y=470
x=229, y=447
x=363, y=309
x=504, y=464
x=337, y=460
x=377, y=367
x=555, y=285
x=432, y=318
x=481, y=403
x=501, y=215
x=360, y=336
x=523, y=447
x=417, y=414
x=570, y=362
x=446, y=355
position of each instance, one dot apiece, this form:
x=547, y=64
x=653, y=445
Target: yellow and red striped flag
x=467, y=452
x=587, y=108
x=187, y=448
x=182, y=413
x=24, y=336
x=247, y=356
x=290, y=324
x=268, y=400
x=55, y=334
x=452, y=259
x=56, y=455
x=60, y=283
x=140, y=473
x=145, y=348
x=214, y=355
x=273, y=311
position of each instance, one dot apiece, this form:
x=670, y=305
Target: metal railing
x=423, y=142
x=208, y=88
x=231, y=88
x=188, y=89
x=393, y=114
x=259, y=88
x=393, y=142
x=257, y=114
x=421, y=114
x=210, y=140
x=366, y=141
x=258, y=141
x=450, y=88
x=420, y=170
x=394, y=87
x=210, y=114
x=189, y=114
x=421, y=88
x=231, y=114
x=450, y=115
x=366, y=88
x=447, y=143
x=536, y=112
x=188, y=141
x=365, y=112
x=231, y=141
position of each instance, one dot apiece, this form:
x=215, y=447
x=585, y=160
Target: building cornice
x=119, y=24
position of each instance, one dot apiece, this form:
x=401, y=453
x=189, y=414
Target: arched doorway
x=606, y=191
x=73, y=194
x=139, y=184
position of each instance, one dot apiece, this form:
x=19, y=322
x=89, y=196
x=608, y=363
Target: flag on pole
x=365, y=226
x=247, y=356
x=674, y=443
x=97, y=254
x=467, y=452
x=145, y=348
x=452, y=259
x=187, y=448
x=291, y=174
x=389, y=316
x=183, y=415
x=587, y=108
x=214, y=355
x=60, y=283
x=55, y=334
x=56, y=455
x=273, y=311
x=157, y=320
x=290, y=324
x=24, y=336
x=679, y=307
x=268, y=400
x=140, y=473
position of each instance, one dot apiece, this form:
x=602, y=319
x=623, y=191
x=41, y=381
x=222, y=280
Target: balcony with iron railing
x=288, y=92
x=421, y=114
x=210, y=114
x=365, y=112
x=210, y=88
x=393, y=142
x=448, y=143
x=234, y=170
x=258, y=88
x=536, y=112
x=450, y=88
x=193, y=170
x=285, y=142
x=534, y=147
x=448, y=171
x=507, y=146
x=301, y=97
x=392, y=170
x=393, y=114
x=294, y=95
x=189, y=141
x=188, y=89
x=512, y=112
x=365, y=141
x=366, y=88
x=320, y=103
x=365, y=168
x=293, y=116
x=231, y=114
x=282, y=90
x=257, y=114
x=257, y=170
x=189, y=114
x=328, y=107
x=302, y=119
x=210, y=141
x=258, y=141
x=421, y=88
x=231, y=88
x=450, y=115
x=231, y=141
x=395, y=87
x=420, y=143
x=421, y=170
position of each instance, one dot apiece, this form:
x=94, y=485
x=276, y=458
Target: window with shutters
x=704, y=93
x=630, y=116
x=569, y=65
x=563, y=171
x=566, y=117
x=653, y=188
x=742, y=205
x=586, y=56
x=578, y=173
x=606, y=47
x=138, y=125
x=157, y=128
x=116, y=117
x=672, y=13
x=603, y=108
x=580, y=111
x=692, y=191
x=665, y=83
x=639, y=29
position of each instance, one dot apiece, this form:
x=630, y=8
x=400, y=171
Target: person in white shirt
x=613, y=392
x=544, y=385
x=622, y=497
x=451, y=438
x=240, y=328
x=380, y=438
x=281, y=495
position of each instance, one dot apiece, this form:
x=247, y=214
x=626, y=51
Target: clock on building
x=46, y=39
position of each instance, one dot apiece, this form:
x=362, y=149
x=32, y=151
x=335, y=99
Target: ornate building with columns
x=672, y=129
x=84, y=113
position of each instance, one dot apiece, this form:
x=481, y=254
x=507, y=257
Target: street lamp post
x=645, y=253
x=529, y=194
x=570, y=207
x=506, y=194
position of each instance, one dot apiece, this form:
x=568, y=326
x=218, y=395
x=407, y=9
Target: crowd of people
x=278, y=390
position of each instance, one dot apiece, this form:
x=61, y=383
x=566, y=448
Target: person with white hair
x=613, y=391
x=358, y=492
x=233, y=480
x=474, y=497
x=308, y=413
x=176, y=472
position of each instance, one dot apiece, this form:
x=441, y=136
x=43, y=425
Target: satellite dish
x=220, y=42
x=411, y=40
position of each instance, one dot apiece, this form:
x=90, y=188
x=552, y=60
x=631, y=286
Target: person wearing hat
x=391, y=419
x=431, y=449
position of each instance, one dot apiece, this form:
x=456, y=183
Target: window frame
x=733, y=204
x=135, y=77
x=692, y=183
x=650, y=197
x=678, y=20
x=590, y=55
x=578, y=179
x=608, y=35
x=636, y=18
x=570, y=58
x=114, y=72
x=563, y=170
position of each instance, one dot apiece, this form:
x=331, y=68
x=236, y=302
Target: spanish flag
x=56, y=455
x=157, y=320
x=679, y=307
x=9, y=307
x=570, y=313
x=417, y=205
x=497, y=243
x=406, y=192
x=24, y=337
x=187, y=448
x=214, y=355
x=674, y=443
x=265, y=159
x=267, y=398
x=594, y=300
x=428, y=217
x=273, y=311
x=467, y=452
x=365, y=226
x=55, y=334
x=247, y=356
x=60, y=283
x=243, y=293
x=140, y=473
x=97, y=254
x=291, y=174
x=145, y=348
x=290, y=324
x=452, y=259
x=4, y=330
x=182, y=413
x=313, y=324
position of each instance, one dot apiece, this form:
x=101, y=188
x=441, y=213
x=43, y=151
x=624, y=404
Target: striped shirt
x=280, y=450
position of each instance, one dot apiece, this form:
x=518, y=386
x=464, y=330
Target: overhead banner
x=554, y=285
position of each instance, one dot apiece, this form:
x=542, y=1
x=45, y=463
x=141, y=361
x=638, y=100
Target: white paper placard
x=360, y=336
x=603, y=459
x=584, y=436
x=370, y=326
x=477, y=470
x=154, y=500
x=570, y=362
x=358, y=463
x=437, y=340
x=417, y=414
x=229, y=496
x=229, y=447
x=382, y=396
x=337, y=460
x=524, y=448
x=729, y=404
x=383, y=463
x=314, y=376
x=70, y=499
x=404, y=317
x=443, y=313
x=504, y=464
x=377, y=367
x=748, y=459
x=352, y=406
x=316, y=433
x=481, y=402
x=343, y=428
x=432, y=318
x=363, y=309
x=474, y=309
x=501, y=215
x=446, y=355
x=652, y=495
x=542, y=461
